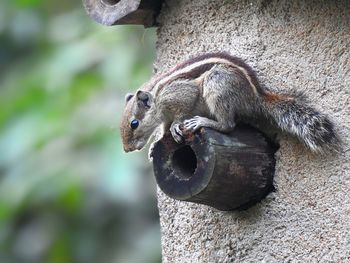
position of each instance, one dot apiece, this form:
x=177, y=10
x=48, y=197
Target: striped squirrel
x=215, y=90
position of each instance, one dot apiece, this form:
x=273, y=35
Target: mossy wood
x=225, y=171
x=117, y=12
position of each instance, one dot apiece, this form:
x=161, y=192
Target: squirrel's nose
x=126, y=148
x=130, y=148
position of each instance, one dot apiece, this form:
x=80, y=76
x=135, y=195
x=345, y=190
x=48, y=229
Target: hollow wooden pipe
x=225, y=171
x=116, y=12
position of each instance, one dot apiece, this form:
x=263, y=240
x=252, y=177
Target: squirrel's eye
x=134, y=124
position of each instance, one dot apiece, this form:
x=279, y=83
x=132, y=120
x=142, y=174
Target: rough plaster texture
x=300, y=45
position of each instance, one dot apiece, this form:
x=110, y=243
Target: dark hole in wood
x=110, y=2
x=184, y=162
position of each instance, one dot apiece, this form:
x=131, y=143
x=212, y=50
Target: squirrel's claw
x=194, y=124
x=176, y=132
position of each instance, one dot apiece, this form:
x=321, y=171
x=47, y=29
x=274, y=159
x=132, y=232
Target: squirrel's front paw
x=176, y=132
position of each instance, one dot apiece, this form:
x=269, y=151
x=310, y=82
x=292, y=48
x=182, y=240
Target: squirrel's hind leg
x=198, y=122
x=220, y=95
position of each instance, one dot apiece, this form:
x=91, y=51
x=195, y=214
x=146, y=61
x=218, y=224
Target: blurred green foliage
x=67, y=191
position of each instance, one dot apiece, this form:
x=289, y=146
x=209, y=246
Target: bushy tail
x=292, y=114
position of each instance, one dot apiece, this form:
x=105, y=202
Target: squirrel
x=215, y=90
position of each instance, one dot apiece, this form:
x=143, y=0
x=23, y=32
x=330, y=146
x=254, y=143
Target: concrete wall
x=300, y=45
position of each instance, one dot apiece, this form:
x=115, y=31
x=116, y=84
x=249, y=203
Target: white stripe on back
x=197, y=64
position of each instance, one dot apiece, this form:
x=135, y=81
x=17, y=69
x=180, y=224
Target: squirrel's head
x=139, y=120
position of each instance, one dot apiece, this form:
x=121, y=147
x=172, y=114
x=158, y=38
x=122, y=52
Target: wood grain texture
x=225, y=171
x=112, y=12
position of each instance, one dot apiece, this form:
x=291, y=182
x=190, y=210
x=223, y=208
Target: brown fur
x=274, y=97
x=212, y=90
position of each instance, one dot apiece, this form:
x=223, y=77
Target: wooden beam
x=225, y=171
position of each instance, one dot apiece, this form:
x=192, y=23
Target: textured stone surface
x=293, y=45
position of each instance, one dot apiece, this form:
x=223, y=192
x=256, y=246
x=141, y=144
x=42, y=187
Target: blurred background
x=68, y=193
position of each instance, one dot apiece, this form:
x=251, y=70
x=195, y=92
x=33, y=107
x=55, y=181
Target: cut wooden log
x=116, y=12
x=225, y=171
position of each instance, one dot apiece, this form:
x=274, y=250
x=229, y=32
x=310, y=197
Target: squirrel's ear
x=144, y=98
x=128, y=97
